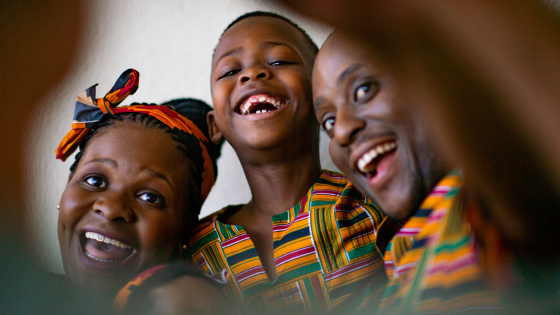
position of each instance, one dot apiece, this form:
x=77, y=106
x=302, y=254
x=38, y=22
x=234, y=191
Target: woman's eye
x=362, y=91
x=328, y=124
x=151, y=198
x=95, y=181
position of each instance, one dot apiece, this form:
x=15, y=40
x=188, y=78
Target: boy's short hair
x=310, y=43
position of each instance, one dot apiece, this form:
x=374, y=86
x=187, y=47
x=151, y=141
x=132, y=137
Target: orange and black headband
x=89, y=111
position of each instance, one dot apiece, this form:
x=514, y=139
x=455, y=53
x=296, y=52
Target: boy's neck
x=278, y=183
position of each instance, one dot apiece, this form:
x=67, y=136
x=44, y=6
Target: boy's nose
x=114, y=208
x=254, y=73
x=347, y=125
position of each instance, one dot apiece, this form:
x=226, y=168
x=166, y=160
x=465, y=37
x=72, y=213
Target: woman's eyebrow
x=157, y=174
x=107, y=161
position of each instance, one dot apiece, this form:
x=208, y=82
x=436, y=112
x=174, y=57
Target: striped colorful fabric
x=432, y=261
x=324, y=249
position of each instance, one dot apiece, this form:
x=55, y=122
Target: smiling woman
x=136, y=187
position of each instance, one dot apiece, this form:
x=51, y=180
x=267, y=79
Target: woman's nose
x=114, y=207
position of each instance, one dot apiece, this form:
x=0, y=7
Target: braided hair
x=192, y=109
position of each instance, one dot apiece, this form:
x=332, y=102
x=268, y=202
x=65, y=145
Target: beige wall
x=171, y=44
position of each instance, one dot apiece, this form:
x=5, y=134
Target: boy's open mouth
x=370, y=161
x=260, y=103
x=104, y=249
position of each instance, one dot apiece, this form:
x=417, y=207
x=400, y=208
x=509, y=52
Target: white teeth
x=105, y=239
x=253, y=100
x=374, y=153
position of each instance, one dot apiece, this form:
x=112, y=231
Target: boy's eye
x=151, y=197
x=328, y=124
x=228, y=74
x=95, y=181
x=363, y=92
x=280, y=63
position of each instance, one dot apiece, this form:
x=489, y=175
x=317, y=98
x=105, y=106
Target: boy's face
x=375, y=140
x=123, y=209
x=261, y=85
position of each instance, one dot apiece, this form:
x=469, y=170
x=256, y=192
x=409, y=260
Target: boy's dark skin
x=279, y=149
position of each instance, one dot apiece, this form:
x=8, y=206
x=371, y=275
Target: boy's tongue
x=106, y=251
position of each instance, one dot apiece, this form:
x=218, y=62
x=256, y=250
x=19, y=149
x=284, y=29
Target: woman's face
x=123, y=209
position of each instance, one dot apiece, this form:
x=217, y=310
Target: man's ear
x=213, y=130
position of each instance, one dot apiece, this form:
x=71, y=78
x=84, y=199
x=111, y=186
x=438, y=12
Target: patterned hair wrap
x=89, y=111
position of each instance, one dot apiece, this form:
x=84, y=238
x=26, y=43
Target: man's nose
x=347, y=124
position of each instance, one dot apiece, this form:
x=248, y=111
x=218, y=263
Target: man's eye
x=328, y=124
x=95, y=181
x=362, y=92
x=150, y=197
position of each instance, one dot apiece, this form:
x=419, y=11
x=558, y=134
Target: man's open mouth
x=104, y=249
x=368, y=163
x=261, y=103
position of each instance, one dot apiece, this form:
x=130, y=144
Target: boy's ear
x=213, y=130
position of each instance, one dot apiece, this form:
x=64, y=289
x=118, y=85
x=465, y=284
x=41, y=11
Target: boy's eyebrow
x=107, y=161
x=229, y=53
x=347, y=72
x=157, y=174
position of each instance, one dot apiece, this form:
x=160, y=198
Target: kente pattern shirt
x=432, y=261
x=324, y=249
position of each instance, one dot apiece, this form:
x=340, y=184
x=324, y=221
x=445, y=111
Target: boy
x=379, y=143
x=305, y=242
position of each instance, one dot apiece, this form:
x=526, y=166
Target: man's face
x=375, y=140
x=261, y=85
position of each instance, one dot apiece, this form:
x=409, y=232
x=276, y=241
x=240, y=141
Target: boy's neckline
x=285, y=216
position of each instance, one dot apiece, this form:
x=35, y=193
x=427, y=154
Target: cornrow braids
x=188, y=145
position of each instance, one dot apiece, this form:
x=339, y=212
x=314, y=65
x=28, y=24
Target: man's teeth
x=256, y=99
x=105, y=239
x=373, y=153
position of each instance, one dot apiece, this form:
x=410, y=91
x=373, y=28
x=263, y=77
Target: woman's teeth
x=105, y=239
x=265, y=103
x=364, y=163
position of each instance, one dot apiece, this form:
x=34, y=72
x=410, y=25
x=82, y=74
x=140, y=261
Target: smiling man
x=379, y=144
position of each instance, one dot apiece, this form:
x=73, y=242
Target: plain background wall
x=171, y=44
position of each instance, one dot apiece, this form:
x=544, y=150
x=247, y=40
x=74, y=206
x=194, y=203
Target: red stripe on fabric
x=249, y=273
x=319, y=294
x=234, y=240
x=294, y=255
x=352, y=267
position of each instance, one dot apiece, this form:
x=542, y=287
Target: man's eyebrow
x=157, y=174
x=107, y=161
x=229, y=53
x=347, y=72
x=318, y=102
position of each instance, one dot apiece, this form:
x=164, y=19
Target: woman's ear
x=213, y=130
